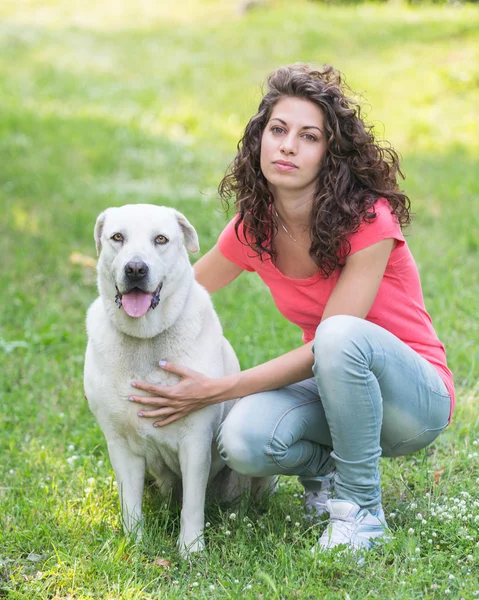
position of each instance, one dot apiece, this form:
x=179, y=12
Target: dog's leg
x=195, y=462
x=263, y=487
x=130, y=477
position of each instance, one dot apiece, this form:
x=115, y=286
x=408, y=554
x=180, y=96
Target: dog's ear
x=99, y=230
x=191, y=237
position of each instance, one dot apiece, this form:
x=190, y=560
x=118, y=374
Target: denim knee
x=337, y=338
x=240, y=448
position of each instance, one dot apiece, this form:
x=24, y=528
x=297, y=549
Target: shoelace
x=340, y=531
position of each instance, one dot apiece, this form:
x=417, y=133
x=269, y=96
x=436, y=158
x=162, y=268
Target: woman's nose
x=288, y=146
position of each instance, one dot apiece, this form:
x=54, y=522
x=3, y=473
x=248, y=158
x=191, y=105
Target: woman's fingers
x=176, y=369
x=157, y=412
x=169, y=420
x=152, y=388
x=150, y=400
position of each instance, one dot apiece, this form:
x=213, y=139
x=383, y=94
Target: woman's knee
x=336, y=339
x=242, y=445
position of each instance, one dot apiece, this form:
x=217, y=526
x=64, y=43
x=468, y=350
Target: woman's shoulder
x=382, y=224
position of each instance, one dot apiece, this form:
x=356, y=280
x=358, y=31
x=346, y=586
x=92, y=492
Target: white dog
x=151, y=308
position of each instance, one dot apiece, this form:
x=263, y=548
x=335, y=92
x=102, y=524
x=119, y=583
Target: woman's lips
x=285, y=166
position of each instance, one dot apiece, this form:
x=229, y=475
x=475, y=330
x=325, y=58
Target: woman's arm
x=353, y=295
x=213, y=271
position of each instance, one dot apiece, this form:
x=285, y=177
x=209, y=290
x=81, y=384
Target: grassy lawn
x=113, y=102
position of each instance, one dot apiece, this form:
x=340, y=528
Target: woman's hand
x=172, y=402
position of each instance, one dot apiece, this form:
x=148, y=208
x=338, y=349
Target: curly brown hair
x=355, y=172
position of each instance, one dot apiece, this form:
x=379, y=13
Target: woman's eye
x=161, y=239
x=310, y=137
x=117, y=237
x=276, y=129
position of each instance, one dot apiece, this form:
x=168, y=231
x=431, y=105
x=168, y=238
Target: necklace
x=286, y=231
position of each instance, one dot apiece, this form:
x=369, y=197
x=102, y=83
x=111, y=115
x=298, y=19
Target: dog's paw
x=187, y=549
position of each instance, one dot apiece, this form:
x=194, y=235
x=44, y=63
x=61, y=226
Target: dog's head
x=142, y=249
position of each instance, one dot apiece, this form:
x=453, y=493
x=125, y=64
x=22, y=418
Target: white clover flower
x=434, y=534
x=434, y=586
x=447, y=591
x=232, y=516
x=227, y=532
x=12, y=471
x=410, y=531
x=236, y=580
x=451, y=576
x=296, y=524
x=91, y=481
x=88, y=490
x=414, y=570
x=195, y=584
x=212, y=587
x=419, y=516
x=248, y=587
x=392, y=515
x=287, y=518
x=413, y=505
x=474, y=443
x=417, y=550
x=249, y=526
x=71, y=447
x=208, y=524
x=429, y=541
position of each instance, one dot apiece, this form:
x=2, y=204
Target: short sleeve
x=232, y=248
x=384, y=226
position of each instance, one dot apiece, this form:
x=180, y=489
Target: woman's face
x=293, y=145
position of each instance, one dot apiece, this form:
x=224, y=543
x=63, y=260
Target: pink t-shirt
x=398, y=306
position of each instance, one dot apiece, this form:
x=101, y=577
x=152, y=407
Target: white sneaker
x=352, y=526
x=315, y=502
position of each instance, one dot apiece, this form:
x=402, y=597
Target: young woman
x=319, y=218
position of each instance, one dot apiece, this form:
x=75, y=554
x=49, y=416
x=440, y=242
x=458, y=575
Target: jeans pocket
x=417, y=442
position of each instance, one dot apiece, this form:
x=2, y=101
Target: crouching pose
x=319, y=217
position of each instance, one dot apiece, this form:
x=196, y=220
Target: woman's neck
x=294, y=209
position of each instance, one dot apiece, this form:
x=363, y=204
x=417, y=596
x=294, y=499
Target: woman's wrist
x=224, y=388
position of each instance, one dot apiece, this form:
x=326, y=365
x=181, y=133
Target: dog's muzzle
x=136, y=302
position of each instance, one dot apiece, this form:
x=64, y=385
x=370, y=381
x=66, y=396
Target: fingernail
x=140, y=415
x=162, y=363
x=133, y=384
x=131, y=399
x=155, y=424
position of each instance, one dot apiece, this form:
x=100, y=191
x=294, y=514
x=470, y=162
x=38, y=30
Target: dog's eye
x=117, y=237
x=161, y=239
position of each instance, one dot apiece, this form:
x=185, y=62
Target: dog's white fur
x=183, y=329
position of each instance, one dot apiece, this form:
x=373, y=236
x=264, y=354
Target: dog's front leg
x=195, y=462
x=130, y=477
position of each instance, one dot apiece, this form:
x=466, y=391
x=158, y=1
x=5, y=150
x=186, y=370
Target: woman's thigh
x=268, y=429
x=416, y=406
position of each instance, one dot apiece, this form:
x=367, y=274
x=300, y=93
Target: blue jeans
x=371, y=395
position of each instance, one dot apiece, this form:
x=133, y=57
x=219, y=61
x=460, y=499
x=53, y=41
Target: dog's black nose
x=136, y=270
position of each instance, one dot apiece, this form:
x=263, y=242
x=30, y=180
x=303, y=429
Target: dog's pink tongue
x=136, y=303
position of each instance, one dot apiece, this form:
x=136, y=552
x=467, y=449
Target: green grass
x=104, y=103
